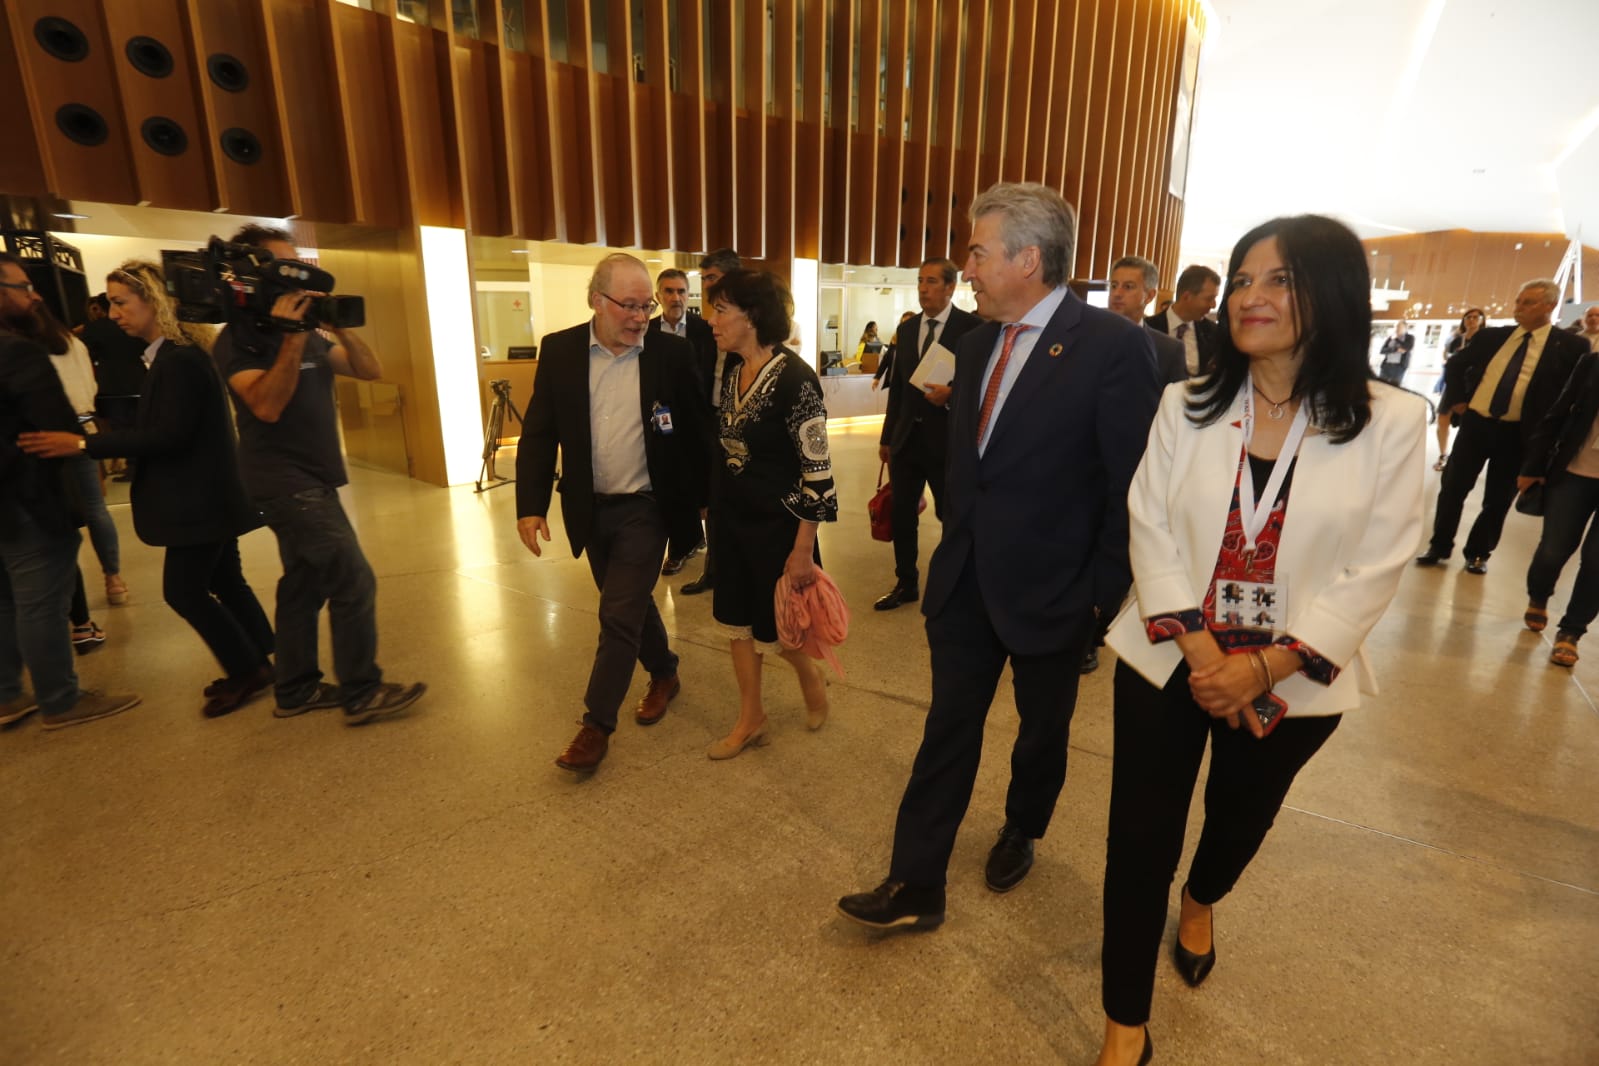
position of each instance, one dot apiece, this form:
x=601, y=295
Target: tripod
x=501, y=388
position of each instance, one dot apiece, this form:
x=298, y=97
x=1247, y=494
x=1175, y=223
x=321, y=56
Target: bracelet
x=1254, y=669
x=1265, y=668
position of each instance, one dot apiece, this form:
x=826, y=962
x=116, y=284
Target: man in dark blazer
x=913, y=443
x=671, y=292
x=1134, y=281
x=1185, y=319
x=1497, y=389
x=623, y=408
x=1053, y=403
x=713, y=266
x=1396, y=354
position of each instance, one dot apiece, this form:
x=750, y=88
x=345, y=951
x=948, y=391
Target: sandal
x=1535, y=617
x=1443, y=460
x=1565, y=653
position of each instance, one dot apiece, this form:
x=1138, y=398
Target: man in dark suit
x=1134, y=281
x=916, y=426
x=623, y=407
x=1053, y=402
x=1185, y=319
x=1497, y=389
x=1396, y=354
x=712, y=268
x=671, y=292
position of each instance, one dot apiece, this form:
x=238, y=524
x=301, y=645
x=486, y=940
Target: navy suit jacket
x=906, y=403
x=1043, y=513
x=699, y=335
x=1171, y=358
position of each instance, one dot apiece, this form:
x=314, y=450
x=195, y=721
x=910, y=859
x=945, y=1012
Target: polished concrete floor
x=433, y=889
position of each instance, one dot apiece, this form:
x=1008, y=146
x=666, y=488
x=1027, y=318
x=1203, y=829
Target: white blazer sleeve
x=1337, y=620
x=1160, y=572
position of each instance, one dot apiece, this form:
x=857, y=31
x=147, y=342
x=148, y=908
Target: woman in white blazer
x=1246, y=624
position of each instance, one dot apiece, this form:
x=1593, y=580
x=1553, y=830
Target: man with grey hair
x=1134, y=281
x=623, y=408
x=1497, y=389
x=1052, y=403
x=1588, y=329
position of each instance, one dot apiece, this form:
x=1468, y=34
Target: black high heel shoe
x=1149, y=1049
x=1195, y=968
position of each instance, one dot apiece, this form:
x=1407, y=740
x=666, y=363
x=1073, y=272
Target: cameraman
x=281, y=376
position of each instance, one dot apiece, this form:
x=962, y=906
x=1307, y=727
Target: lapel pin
x=1054, y=351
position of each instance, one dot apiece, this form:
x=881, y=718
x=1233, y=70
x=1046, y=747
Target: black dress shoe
x=1432, y=558
x=703, y=583
x=1009, y=860
x=1090, y=661
x=1477, y=564
x=895, y=596
x=893, y=904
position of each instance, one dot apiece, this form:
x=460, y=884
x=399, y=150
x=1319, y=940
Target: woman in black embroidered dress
x=772, y=489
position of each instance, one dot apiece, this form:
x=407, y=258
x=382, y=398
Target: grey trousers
x=625, y=550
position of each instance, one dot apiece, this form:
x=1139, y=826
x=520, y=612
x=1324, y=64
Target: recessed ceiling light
x=69, y=214
x=518, y=251
x=1479, y=170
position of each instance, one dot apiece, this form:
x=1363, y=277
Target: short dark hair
x=670, y=272
x=259, y=235
x=7, y=257
x=946, y=267
x=102, y=301
x=724, y=259
x=1331, y=281
x=1193, y=278
x=763, y=299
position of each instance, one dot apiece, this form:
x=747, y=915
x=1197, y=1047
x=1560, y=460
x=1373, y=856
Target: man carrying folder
x=914, y=429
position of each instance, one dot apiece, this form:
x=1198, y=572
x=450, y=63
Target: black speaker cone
x=164, y=135
x=227, y=72
x=149, y=56
x=61, y=39
x=82, y=125
x=241, y=146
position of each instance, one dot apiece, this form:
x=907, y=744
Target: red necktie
x=1011, y=333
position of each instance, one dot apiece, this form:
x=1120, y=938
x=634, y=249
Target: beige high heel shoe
x=815, y=718
x=733, y=744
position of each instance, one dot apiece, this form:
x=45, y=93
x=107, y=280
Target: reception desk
x=519, y=372
x=852, y=396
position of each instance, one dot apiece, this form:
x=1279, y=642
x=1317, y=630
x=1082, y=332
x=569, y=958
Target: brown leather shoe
x=587, y=749
x=652, y=708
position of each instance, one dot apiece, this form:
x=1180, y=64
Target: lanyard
x=1253, y=517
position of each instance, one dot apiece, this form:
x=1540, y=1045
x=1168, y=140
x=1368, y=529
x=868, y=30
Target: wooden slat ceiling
x=847, y=130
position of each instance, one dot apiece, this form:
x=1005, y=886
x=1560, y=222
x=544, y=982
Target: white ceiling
x=1396, y=116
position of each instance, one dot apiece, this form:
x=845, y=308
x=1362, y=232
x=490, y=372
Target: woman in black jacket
x=186, y=492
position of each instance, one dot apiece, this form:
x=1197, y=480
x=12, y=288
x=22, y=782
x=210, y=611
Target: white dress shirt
x=1037, y=318
x=616, y=425
x=1189, y=339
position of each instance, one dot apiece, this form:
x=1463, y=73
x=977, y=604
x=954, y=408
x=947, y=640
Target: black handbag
x=1531, y=501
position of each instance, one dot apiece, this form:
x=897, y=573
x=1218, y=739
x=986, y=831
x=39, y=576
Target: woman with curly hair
x=186, y=493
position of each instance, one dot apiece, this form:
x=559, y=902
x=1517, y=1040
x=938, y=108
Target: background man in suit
x=1396, y=354
x=1497, y=389
x=671, y=292
x=1589, y=330
x=1185, y=319
x=712, y=268
x=1133, y=283
x=625, y=409
x=916, y=426
x=1053, y=402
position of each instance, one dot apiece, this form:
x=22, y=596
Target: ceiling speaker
x=61, y=39
x=227, y=72
x=82, y=125
x=241, y=146
x=149, y=56
x=164, y=135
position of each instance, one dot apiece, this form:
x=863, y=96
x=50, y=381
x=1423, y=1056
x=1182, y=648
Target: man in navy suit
x=1053, y=402
x=916, y=427
x=1197, y=288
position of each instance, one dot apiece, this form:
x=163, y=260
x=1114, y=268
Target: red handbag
x=880, y=508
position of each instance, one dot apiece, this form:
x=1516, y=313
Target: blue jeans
x=322, y=564
x=35, y=588
x=1569, y=506
x=91, y=500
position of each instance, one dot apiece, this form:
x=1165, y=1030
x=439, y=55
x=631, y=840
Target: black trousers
x=205, y=585
x=968, y=658
x=918, y=464
x=1160, y=737
x=1569, y=507
x=624, y=552
x=1479, y=442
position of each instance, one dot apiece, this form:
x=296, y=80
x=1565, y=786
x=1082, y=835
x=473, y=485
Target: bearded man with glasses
x=621, y=405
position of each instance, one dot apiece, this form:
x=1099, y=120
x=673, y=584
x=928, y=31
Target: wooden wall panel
x=22, y=163
x=751, y=193
x=838, y=147
x=479, y=122
x=864, y=137
x=1104, y=64
x=1044, y=92
x=975, y=52
x=1103, y=220
x=360, y=58
x=1024, y=100
x=261, y=186
x=1068, y=116
x=298, y=35
x=913, y=237
x=657, y=169
x=810, y=133
x=782, y=132
x=890, y=203
x=941, y=183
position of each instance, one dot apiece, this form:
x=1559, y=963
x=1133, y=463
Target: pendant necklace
x=1277, y=409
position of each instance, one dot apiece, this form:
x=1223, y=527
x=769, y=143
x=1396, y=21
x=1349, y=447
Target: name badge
x=1251, y=605
x=661, y=419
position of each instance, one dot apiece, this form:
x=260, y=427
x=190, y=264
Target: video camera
x=226, y=281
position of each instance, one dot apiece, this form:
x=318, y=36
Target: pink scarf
x=813, y=619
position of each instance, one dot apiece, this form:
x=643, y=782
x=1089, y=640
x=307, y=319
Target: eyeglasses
x=25, y=286
x=634, y=309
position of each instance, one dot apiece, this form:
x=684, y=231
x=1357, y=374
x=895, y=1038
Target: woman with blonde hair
x=186, y=493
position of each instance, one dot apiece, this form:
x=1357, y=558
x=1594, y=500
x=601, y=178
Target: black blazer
x=704, y=343
x=906, y=403
x=1171, y=358
x=1044, y=511
x=1560, y=433
x=32, y=399
x=1561, y=352
x=558, y=417
x=1207, y=335
x=186, y=487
